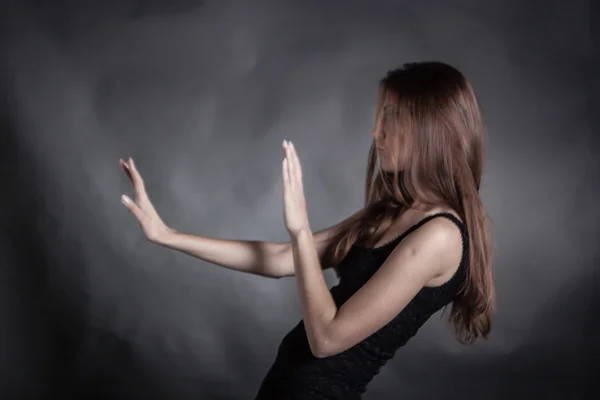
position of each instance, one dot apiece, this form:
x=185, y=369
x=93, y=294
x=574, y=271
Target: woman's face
x=382, y=147
x=389, y=143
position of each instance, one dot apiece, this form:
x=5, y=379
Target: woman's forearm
x=269, y=259
x=317, y=304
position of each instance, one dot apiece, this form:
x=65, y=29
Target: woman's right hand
x=142, y=209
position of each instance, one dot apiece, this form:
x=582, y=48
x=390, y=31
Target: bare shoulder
x=439, y=235
x=443, y=238
x=435, y=248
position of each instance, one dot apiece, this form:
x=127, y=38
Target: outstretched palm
x=143, y=210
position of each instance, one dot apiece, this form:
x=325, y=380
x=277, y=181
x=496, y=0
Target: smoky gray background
x=201, y=94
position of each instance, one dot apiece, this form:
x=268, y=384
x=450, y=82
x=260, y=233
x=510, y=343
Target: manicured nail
x=125, y=199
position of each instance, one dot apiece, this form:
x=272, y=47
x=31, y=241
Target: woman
x=420, y=243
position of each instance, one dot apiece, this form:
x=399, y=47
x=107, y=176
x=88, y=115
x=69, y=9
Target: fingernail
x=125, y=199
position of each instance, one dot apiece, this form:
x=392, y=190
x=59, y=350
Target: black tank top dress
x=297, y=375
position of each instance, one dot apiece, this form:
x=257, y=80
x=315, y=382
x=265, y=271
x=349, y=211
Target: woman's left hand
x=294, y=202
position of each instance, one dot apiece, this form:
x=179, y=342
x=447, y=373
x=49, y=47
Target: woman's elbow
x=323, y=349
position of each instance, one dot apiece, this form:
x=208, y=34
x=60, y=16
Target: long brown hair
x=435, y=123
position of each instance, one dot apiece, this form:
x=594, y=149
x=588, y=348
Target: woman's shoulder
x=445, y=217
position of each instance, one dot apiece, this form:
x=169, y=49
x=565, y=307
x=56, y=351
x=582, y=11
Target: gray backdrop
x=201, y=94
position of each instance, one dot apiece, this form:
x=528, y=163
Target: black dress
x=296, y=374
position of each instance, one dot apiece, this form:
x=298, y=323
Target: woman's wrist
x=166, y=238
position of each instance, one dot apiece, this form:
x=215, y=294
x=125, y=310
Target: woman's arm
x=432, y=250
x=268, y=259
x=429, y=251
